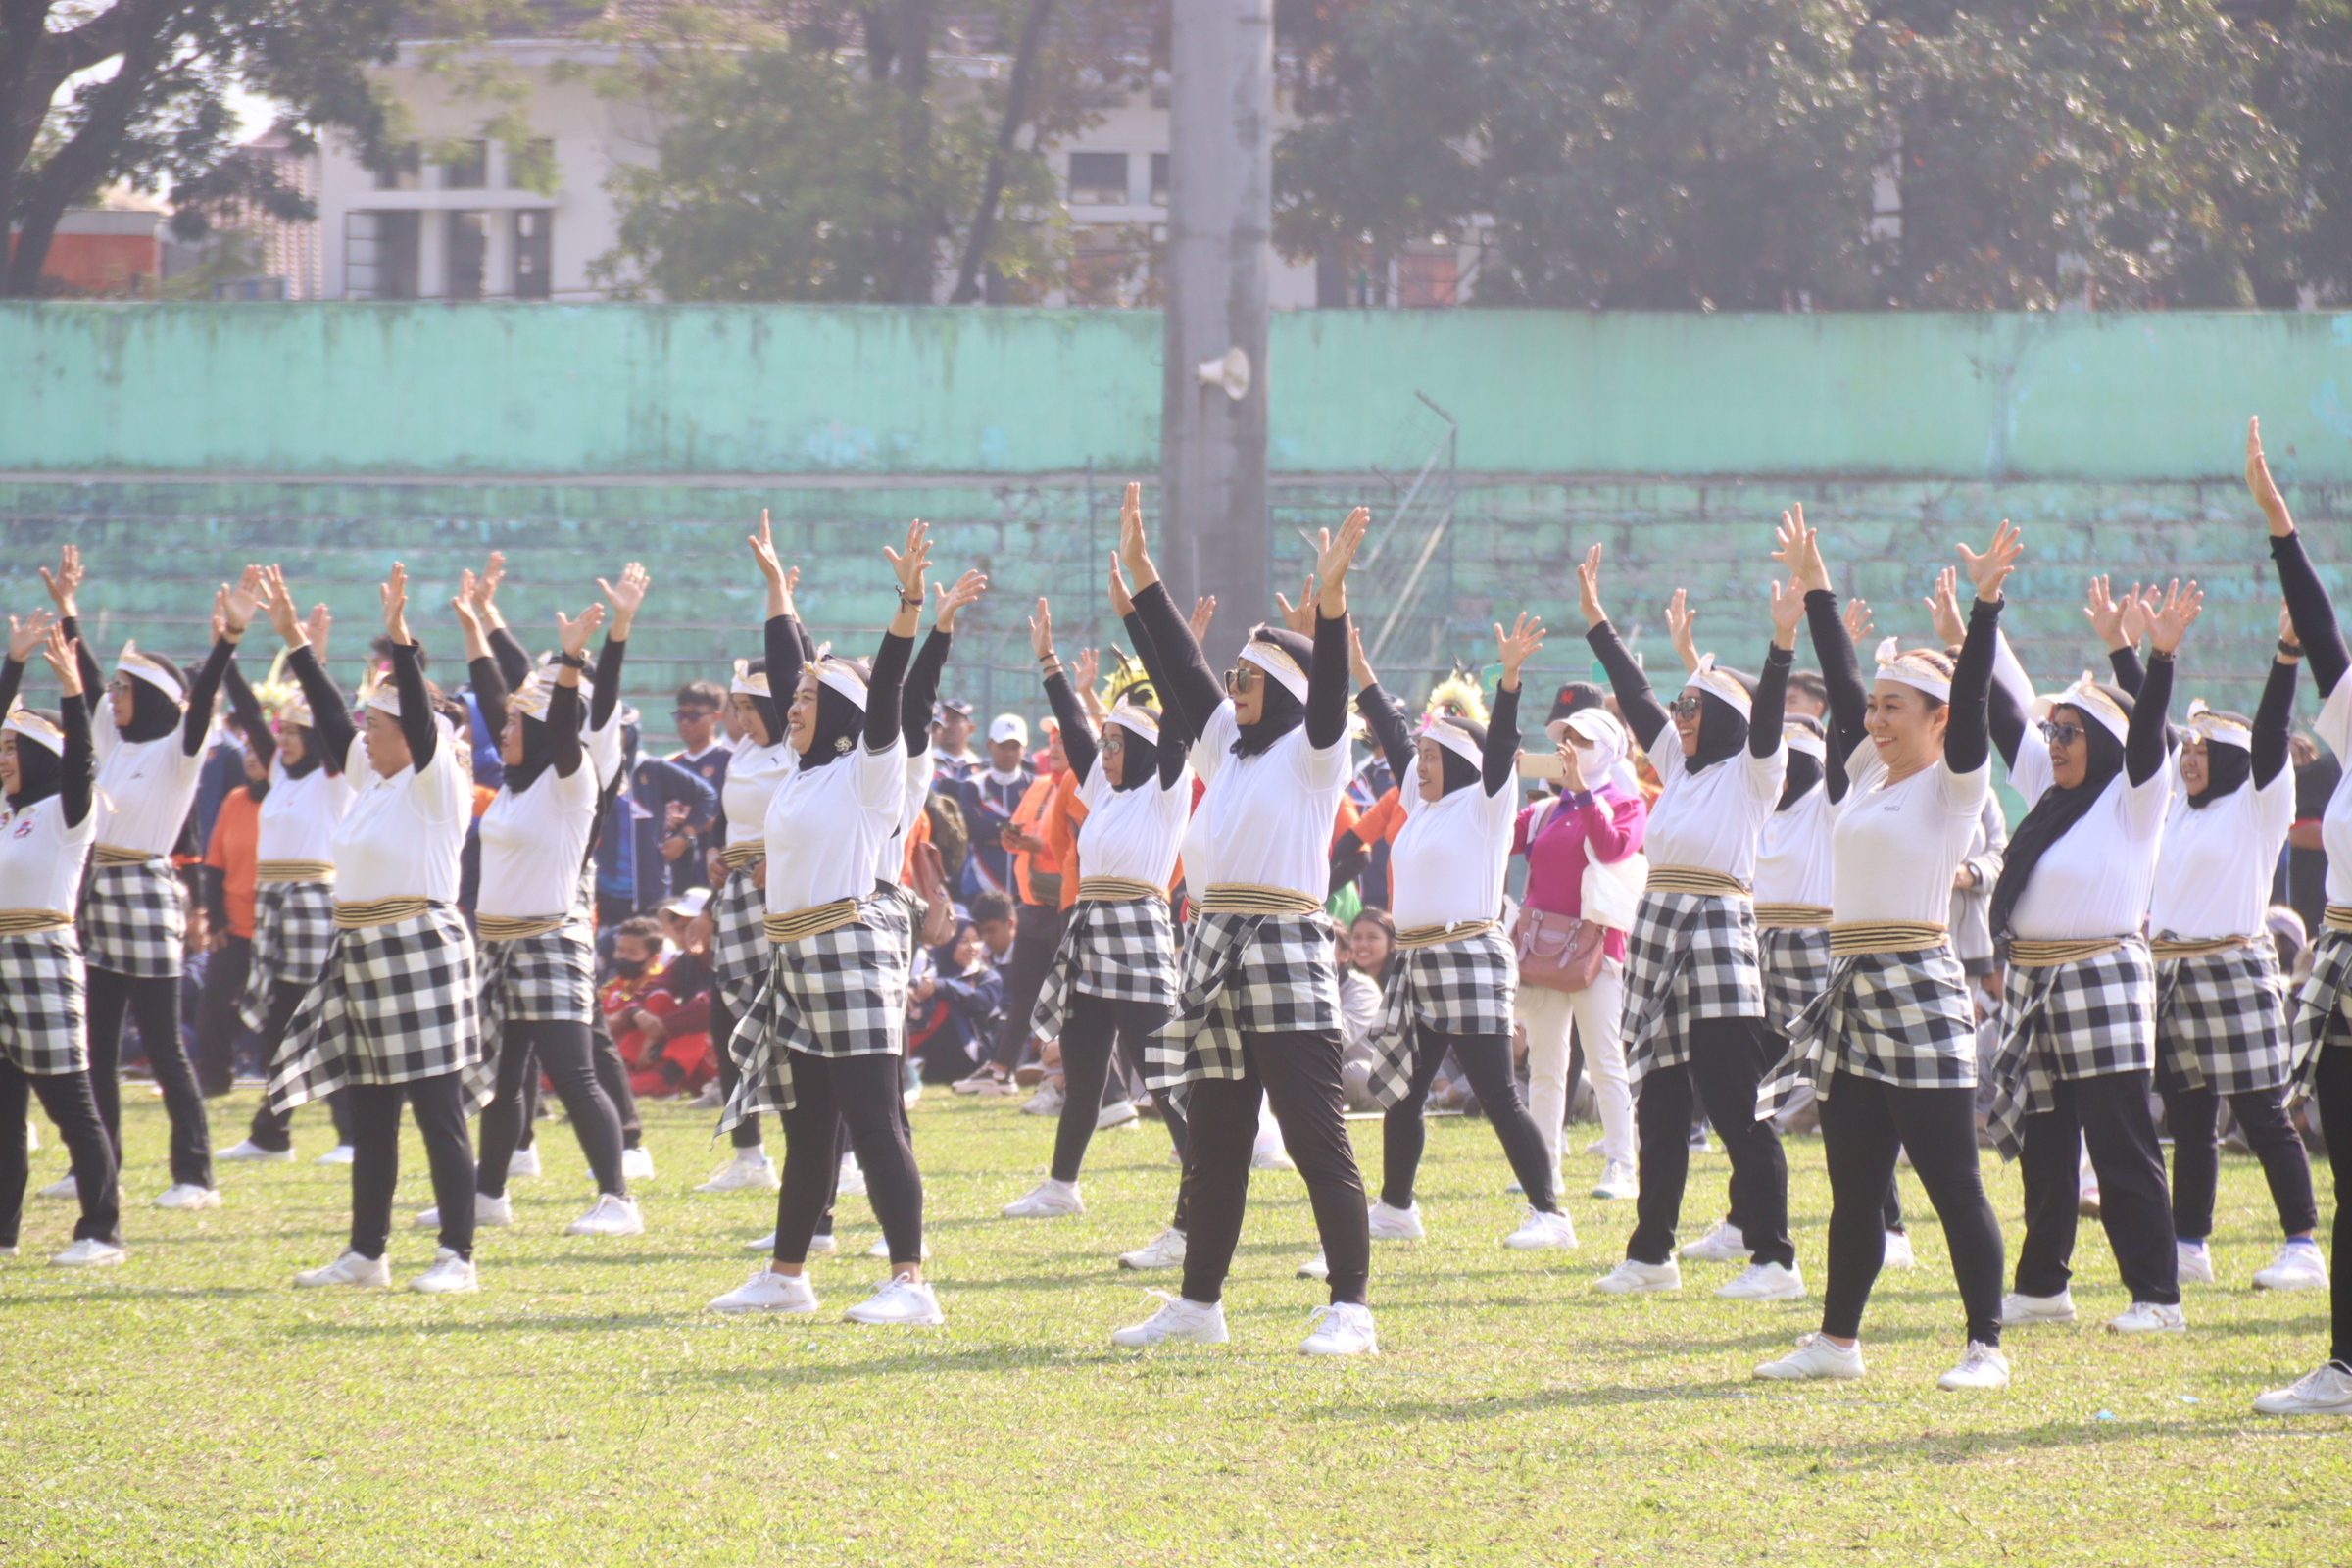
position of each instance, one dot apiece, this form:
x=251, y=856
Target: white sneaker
x=2299, y=1266
x=1982, y=1367
x=340, y=1154
x=1344, y=1328
x=982, y=1082
x=1899, y=1254
x=2193, y=1262
x=2018, y=1310
x=819, y=1244
x=850, y=1183
x=524, y=1163
x=187, y=1194
x=1118, y=1114
x=637, y=1164
x=1269, y=1154
x=768, y=1291
x=2325, y=1392
x=2148, y=1317
x=1178, y=1319
x=66, y=1188
x=1048, y=1199
x=349, y=1269
x=1617, y=1180
x=881, y=1250
x=1317, y=1267
x=450, y=1275
x=1764, y=1282
x=1539, y=1231
x=1046, y=1102
x=487, y=1210
x=1395, y=1224
x=753, y=1169
x=1630, y=1278
x=765, y=1244
x=898, y=1300
x=613, y=1215
x=1164, y=1250
x=1814, y=1357
x=250, y=1152
x=89, y=1253
x=1722, y=1245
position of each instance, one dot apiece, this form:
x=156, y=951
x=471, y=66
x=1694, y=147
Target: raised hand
x=2265, y=489
x=221, y=613
x=1041, y=632
x=1787, y=608
x=626, y=598
x=1134, y=548
x=1588, y=588
x=1943, y=606
x=62, y=656
x=1798, y=548
x=1333, y=556
x=1300, y=617
x=1205, y=611
x=1517, y=645
x=67, y=582
x=955, y=597
x=1086, y=671
x=277, y=601
x=2169, y=621
x=573, y=635
x=2137, y=606
x=910, y=564
x=1679, y=617
x=1993, y=569
x=1856, y=619
x=1359, y=667
x=238, y=603
x=470, y=620
x=26, y=637
x=2105, y=614
x=1572, y=766
x=1122, y=603
x=763, y=551
x=395, y=595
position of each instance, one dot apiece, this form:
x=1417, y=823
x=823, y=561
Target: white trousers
x=1595, y=1015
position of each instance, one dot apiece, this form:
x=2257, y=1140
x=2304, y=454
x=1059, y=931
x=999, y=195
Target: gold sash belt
x=1791, y=917
x=27, y=922
x=116, y=854
x=383, y=912
x=1884, y=936
x=1117, y=889
x=802, y=924
x=1694, y=879
x=738, y=855
x=1429, y=936
x=1250, y=898
x=2338, y=917
x=2068, y=950
x=2164, y=948
x=294, y=871
x=514, y=927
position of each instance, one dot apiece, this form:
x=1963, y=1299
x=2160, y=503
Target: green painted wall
x=432, y=389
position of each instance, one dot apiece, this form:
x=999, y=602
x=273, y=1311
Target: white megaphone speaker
x=1229, y=370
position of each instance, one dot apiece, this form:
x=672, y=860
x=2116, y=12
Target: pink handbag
x=1558, y=952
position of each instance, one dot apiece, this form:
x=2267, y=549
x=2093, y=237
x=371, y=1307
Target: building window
x=468, y=253
x=469, y=169
x=538, y=154
x=401, y=169
x=1098, y=179
x=380, y=255
x=1159, y=180
x=534, y=254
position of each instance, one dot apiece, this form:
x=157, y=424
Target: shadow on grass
x=1956, y=1448
x=128, y=1291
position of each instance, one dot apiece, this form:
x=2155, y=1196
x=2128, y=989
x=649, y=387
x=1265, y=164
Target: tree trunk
x=992, y=189
x=919, y=236
x=76, y=170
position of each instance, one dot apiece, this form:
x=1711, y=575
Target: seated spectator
x=953, y=1009
x=1359, y=1014
x=662, y=1038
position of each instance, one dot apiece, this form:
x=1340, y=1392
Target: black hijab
x=153, y=715
x=538, y=754
x=769, y=713
x=2227, y=766
x=2057, y=811
x=839, y=724
x=1139, y=757
x=38, y=768
x=313, y=757
x=1459, y=772
x=1804, y=769
x=1281, y=712
x=1722, y=728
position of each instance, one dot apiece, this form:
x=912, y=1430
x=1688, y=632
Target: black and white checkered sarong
x=2220, y=1020
x=394, y=1004
x=1692, y=956
x=134, y=918
x=839, y=993
x=548, y=977
x=1464, y=987
x=1245, y=974
x=1795, y=960
x=1902, y=1018
x=2318, y=1009
x=293, y=931
x=1125, y=952
x=2084, y=1020
x=739, y=951
x=43, y=1021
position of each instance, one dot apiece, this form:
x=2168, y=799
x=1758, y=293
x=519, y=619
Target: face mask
x=629, y=968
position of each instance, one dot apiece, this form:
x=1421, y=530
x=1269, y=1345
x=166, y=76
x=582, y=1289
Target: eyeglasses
x=2058, y=734
x=1240, y=679
x=683, y=714
x=1685, y=706
x=1111, y=742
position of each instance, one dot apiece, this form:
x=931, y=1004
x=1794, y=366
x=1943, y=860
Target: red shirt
x=1610, y=820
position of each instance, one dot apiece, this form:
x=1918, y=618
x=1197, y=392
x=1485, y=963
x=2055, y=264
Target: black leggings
x=440, y=1108
x=2332, y=1085
x=863, y=1094
x=1087, y=1035
x=2108, y=1112
x=1298, y=1074
x=1864, y=1125
x=611, y=1075
x=1487, y=1060
x=2195, y=1117
x=564, y=1049
x=155, y=1001
x=1726, y=1065
x=273, y=1129
x=66, y=1097
x=1035, y=937
x=746, y=1133
x=217, y=1021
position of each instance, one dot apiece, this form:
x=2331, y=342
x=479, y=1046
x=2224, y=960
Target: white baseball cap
x=689, y=904
x=1008, y=727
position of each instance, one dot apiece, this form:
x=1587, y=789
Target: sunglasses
x=2058, y=734
x=1685, y=706
x=1240, y=679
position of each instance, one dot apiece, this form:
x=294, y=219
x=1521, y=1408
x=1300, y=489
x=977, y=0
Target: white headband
x=23, y=720
x=1716, y=683
x=1913, y=670
x=2084, y=697
x=1453, y=738
x=1142, y=720
x=838, y=673
x=1276, y=661
x=135, y=664
x=1798, y=738
x=2215, y=730
x=748, y=684
x=530, y=699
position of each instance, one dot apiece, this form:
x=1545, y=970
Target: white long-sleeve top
x=1793, y=853
x=826, y=826
x=297, y=818
x=2095, y=879
x=2214, y=862
x=403, y=835
x=40, y=857
x=145, y=787
x=915, y=789
x=2334, y=726
x=1449, y=860
x=753, y=779
x=1894, y=847
x=534, y=844
x=1136, y=833
x=1266, y=819
x=1711, y=821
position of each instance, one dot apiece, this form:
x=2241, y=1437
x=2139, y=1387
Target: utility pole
x=1212, y=452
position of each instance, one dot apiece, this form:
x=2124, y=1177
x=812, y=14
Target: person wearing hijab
x=151, y=735
x=1114, y=974
x=2320, y=1028
x=2078, y=999
x=1258, y=1017
x=1694, y=991
x=822, y=1040
x=1451, y=986
x=48, y=820
x=1887, y=1043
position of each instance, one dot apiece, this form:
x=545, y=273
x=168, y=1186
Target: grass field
x=583, y=1409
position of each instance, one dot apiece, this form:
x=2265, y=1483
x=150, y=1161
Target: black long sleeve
x=609, y=660
x=514, y=659
x=490, y=693
x=2130, y=673
x=1769, y=704
x=199, y=721
x=788, y=651
x=1326, y=683
x=2005, y=721
x=1385, y=716
x=250, y=717
x=330, y=716
x=563, y=729
x=1967, y=723
x=415, y=709
x=1189, y=680
x=923, y=692
x=2271, y=718
x=883, y=691
x=12, y=680
x=2143, y=737
x=1643, y=713
x=1841, y=673
x=93, y=679
x=2313, y=613
x=216, y=897
x=1077, y=738
x=1503, y=741
x=1176, y=733
x=78, y=773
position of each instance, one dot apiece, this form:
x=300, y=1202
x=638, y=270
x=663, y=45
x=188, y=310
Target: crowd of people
x=1244, y=904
